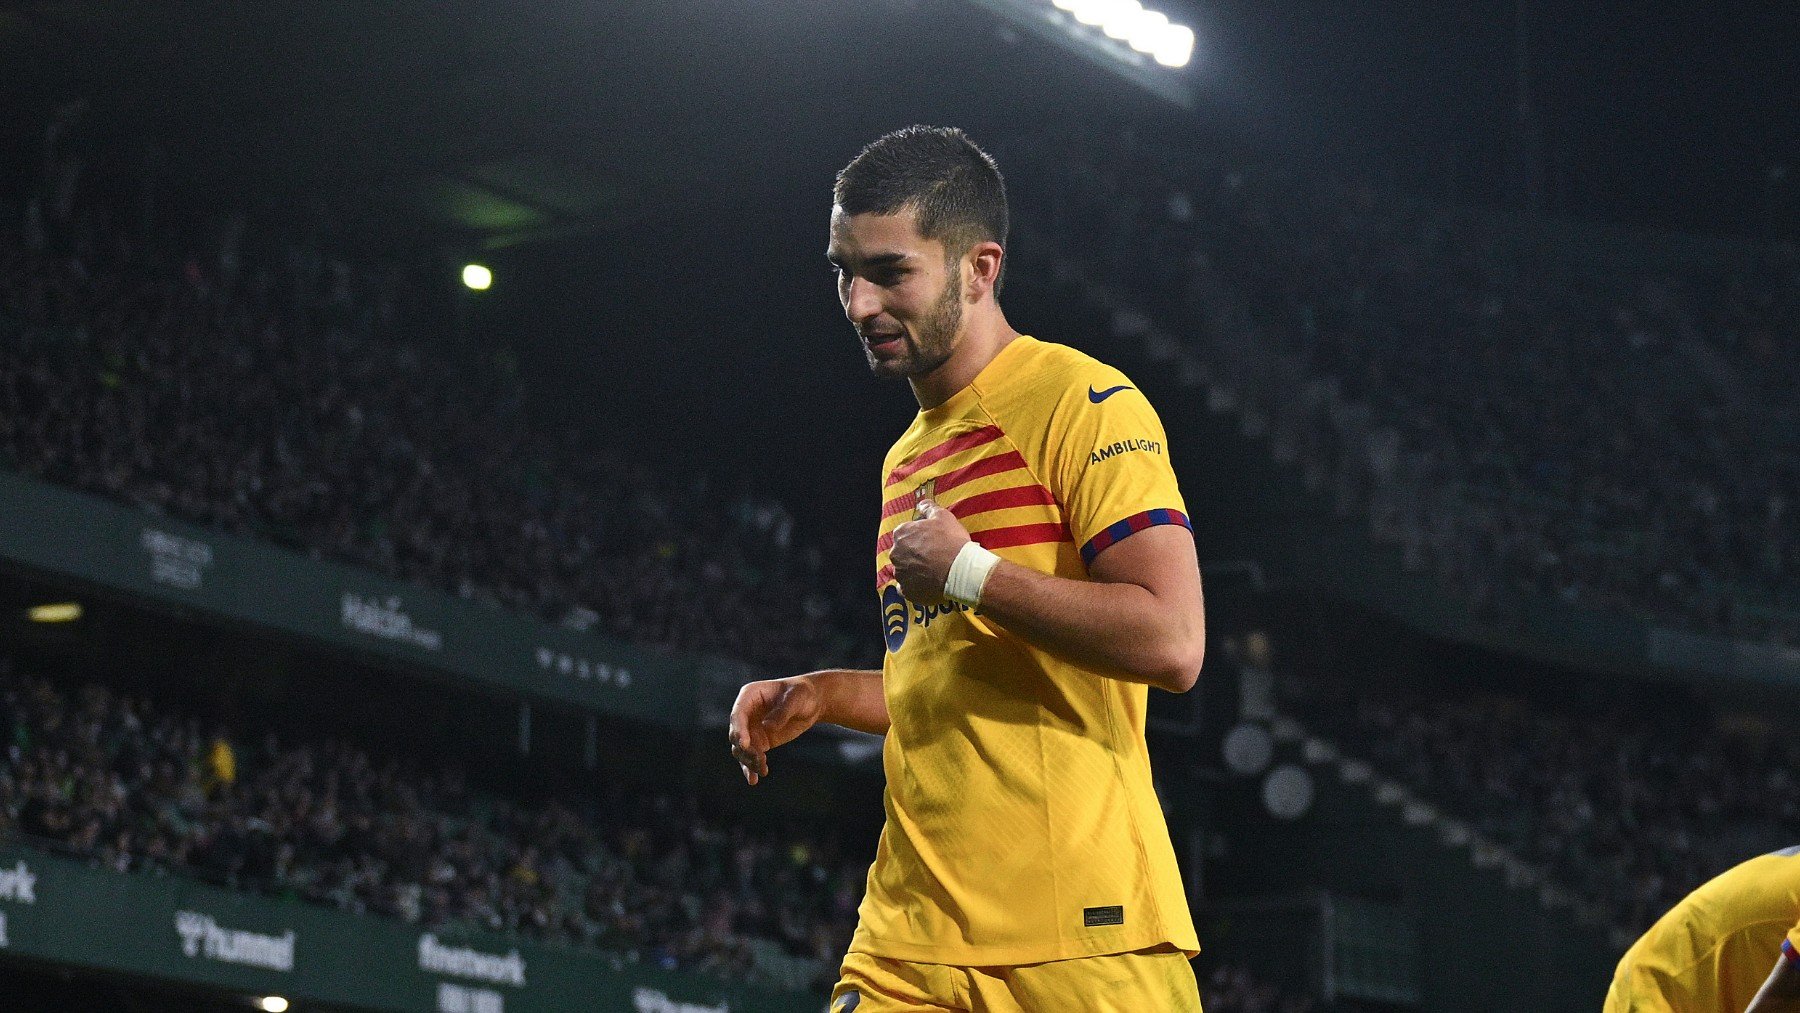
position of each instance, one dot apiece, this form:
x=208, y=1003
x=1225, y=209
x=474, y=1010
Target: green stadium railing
x=57, y=910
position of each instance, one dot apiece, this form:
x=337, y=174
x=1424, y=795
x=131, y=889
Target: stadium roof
x=508, y=124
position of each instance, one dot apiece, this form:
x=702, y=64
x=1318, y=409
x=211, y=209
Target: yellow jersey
x=1715, y=948
x=1022, y=825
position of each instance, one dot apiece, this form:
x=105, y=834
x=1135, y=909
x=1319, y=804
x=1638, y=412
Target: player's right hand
x=767, y=714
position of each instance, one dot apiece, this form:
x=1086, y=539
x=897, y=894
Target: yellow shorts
x=1148, y=981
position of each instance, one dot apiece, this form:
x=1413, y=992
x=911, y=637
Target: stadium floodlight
x=1122, y=19
x=1091, y=12
x=273, y=1004
x=1176, y=46
x=1148, y=32
x=1122, y=36
x=60, y=612
x=478, y=277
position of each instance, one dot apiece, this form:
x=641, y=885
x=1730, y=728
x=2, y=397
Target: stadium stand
x=1309, y=304
x=1622, y=808
x=129, y=784
x=1576, y=412
x=272, y=395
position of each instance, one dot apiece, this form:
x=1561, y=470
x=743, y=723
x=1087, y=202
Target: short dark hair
x=952, y=185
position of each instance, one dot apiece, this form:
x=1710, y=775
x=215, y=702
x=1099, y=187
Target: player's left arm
x=1140, y=615
x=1781, y=992
x=1140, y=618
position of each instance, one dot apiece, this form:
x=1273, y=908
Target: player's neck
x=985, y=337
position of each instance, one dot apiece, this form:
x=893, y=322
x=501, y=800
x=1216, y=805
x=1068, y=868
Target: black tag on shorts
x=1092, y=916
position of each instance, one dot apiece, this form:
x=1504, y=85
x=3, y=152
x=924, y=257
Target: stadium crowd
x=1608, y=434
x=271, y=392
x=1630, y=807
x=130, y=785
x=1599, y=418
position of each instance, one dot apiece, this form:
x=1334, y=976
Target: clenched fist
x=923, y=551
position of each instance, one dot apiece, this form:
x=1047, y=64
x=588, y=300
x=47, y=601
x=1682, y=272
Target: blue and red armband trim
x=1121, y=530
x=1788, y=951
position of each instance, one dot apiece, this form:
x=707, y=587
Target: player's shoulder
x=1059, y=372
x=1776, y=867
x=1749, y=882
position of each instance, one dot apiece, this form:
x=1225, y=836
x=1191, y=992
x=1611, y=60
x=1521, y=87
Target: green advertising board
x=57, y=910
x=95, y=540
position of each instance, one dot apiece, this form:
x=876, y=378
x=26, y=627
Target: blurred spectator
x=221, y=765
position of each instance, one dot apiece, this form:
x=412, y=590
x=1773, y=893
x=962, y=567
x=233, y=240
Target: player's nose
x=860, y=301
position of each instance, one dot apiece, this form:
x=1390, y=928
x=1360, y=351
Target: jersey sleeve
x=1112, y=472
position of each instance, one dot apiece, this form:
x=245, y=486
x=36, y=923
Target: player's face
x=899, y=289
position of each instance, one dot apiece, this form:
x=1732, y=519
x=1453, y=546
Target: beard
x=931, y=342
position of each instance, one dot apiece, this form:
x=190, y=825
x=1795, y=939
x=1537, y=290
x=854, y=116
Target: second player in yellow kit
x=1712, y=951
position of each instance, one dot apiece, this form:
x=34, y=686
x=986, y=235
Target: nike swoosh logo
x=1098, y=396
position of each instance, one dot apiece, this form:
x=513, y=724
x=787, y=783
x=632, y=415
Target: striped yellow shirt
x=1021, y=821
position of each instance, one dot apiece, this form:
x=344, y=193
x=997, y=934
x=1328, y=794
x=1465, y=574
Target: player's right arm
x=1781, y=992
x=774, y=712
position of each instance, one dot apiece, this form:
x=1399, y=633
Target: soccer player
x=1712, y=951
x=1037, y=576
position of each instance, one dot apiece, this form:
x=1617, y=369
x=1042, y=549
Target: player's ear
x=983, y=267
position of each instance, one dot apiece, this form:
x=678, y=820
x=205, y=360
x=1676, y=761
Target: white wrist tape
x=968, y=572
